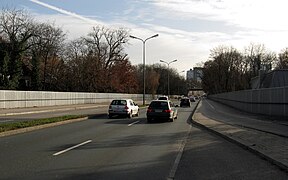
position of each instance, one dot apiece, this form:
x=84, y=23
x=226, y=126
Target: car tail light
x=126, y=108
x=167, y=110
x=149, y=110
x=110, y=107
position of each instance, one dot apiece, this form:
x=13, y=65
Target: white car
x=123, y=107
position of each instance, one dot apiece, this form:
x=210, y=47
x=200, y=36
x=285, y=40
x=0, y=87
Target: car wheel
x=130, y=115
x=109, y=116
x=171, y=120
x=137, y=113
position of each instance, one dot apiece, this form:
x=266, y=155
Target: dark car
x=192, y=98
x=161, y=109
x=185, y=102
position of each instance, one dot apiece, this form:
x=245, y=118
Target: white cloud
x=74, y=28
x=63, y=11
x=256, y=14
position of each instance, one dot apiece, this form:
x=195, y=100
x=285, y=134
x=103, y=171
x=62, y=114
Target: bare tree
x=283, y=60
x=106, y=47
x=107, y=44
x=16, y=28
x=93, y=60
x=152, y=77
x=257, y=57
x=223, y=72
x=75, y=59
x=47, y=43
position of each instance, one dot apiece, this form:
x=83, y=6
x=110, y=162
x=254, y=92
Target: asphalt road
x=207, y=157
x=122, y=148
x=119, y=148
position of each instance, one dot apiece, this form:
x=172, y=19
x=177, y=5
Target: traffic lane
x=55, y=113
x=140, y=150
x=208, y=156
x=115, y=148
x=22, y=155
x=232, y=116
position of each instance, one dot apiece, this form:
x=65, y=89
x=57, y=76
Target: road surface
x=122, y=148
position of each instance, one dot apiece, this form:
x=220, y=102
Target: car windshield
x=159, y=105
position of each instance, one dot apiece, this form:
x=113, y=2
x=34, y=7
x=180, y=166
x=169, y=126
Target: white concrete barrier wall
x=268, y=101
x=18, y=99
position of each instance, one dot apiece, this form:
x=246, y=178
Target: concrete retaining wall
x=270, y=101
x=18, y=99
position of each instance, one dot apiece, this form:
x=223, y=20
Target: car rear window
x=119, y=102
x=163, y=98
x=185, y=100
x=159, y=105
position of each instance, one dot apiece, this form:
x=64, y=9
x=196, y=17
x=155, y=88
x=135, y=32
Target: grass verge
x=25, y=124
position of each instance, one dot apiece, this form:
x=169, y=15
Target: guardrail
x=268, y=101
x=19, y=99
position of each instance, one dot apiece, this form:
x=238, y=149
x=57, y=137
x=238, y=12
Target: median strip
x=26, y=126
x=71, y=148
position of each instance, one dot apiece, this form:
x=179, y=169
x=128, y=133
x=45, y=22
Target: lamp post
x=168, y=63
x=144, y=41
x=179, y=82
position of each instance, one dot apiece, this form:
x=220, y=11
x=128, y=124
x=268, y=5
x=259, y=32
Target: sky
x=188, y=29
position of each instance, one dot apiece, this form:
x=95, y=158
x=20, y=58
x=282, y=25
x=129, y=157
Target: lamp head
x=155, y=35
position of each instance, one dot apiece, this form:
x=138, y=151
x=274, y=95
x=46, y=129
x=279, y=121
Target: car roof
x=161, y=100
x=121, y=99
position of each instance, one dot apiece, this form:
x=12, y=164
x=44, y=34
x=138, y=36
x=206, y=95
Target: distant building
x=190, y=75
x=195, y=74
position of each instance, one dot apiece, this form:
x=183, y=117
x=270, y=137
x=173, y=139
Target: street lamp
x=182, y=72
x=179, y=82
x=144, y=41
x=168, y=63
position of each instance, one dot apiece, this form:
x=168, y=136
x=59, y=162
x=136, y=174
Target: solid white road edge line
x=73, y=147
x=133, y=123
x=210, y=104
x=179, y=155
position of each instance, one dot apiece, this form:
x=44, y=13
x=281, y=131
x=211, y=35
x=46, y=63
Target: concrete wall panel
x=16, y=99
x=269, y=101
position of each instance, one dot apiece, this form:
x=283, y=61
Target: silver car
x=123, y=107
x=161, y=109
